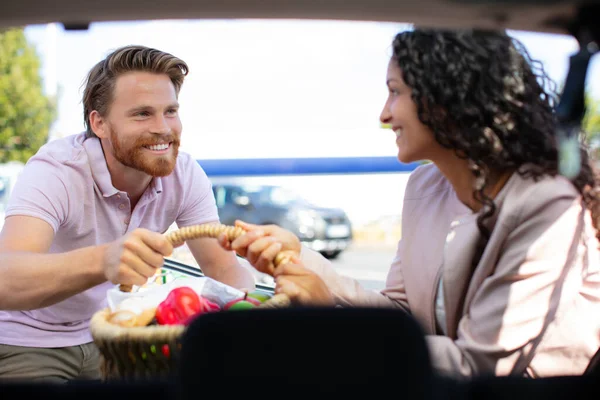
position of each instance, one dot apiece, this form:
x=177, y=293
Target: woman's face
x=415, y=140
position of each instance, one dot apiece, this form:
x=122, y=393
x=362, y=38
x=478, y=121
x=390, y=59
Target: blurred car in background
x=326, y=230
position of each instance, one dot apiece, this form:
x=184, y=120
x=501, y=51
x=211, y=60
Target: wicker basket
x=145, y=353
x=152, y=352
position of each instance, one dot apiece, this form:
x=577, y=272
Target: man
x=89, y=211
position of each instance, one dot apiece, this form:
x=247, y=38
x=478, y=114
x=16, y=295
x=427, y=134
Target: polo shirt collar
x=100, y=171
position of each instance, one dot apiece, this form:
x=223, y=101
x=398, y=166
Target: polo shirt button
x=118, y=196
x=126, y=221
x=121, y=206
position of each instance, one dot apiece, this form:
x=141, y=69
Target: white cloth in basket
x=153, y=295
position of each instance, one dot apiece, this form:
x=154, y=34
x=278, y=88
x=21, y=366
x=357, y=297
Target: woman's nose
x=385, y=117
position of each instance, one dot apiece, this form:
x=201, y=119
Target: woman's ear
x=98, y=125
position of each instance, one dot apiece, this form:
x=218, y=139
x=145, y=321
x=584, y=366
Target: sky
x=269, y=88
x=304, y=88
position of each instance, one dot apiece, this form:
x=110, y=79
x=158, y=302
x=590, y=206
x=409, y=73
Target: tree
x=591, y=126
x=591, y=121
x=26, y=113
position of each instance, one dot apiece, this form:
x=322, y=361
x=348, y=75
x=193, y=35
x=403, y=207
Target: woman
x=499, y=257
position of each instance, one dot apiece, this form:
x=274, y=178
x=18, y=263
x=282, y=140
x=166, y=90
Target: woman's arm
x=349, y=292
x=261, y=244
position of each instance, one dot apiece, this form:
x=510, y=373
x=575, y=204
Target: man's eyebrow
x=139, y=108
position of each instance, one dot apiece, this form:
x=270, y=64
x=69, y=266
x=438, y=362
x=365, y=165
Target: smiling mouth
x=158, y=147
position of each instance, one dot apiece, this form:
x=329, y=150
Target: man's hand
x=302, y=285
x=261, y=244
x=135, y=257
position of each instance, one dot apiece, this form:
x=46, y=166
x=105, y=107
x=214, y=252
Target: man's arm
x=31, y=278
x=219, y=264
x=39, y=205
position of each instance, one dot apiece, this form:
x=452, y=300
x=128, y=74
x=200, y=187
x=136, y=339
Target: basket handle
x=179, y=236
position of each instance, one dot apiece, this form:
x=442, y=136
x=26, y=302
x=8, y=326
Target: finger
x=131, y=261
x=265, y=260
x=145, y=253
x=296, y=293
x=288, y=288
x=266, y=229
x=291, y=269
x=306, y=298
x=284, y=257
x=302, y=290
x=129, y=277
x=224, y=242
x=158, y=242
x=134, y=279
x=245, y=225
x=257, y=247
x=240, y=245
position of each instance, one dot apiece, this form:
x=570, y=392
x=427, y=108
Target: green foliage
x=591, y=121
x=26, y=113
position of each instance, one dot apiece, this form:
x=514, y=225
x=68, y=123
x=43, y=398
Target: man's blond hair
x=100, y=81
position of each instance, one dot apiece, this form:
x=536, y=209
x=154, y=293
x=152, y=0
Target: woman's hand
x=302, y=285
x=261, y=244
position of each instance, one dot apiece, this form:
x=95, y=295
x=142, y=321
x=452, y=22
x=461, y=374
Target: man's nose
x=161, y=126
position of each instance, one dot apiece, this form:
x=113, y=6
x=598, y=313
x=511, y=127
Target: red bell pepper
x=181, y=305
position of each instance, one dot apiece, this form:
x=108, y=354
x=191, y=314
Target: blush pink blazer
x=532, y=304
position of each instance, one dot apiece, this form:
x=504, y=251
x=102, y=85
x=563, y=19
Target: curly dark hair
x=483, y=96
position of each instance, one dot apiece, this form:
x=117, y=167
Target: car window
x=233, y=194
x=284, y=197
x=219, y=193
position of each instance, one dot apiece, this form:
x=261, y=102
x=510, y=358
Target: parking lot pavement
x=367, y=264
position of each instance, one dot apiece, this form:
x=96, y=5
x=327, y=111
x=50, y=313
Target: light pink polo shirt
x=68, y=185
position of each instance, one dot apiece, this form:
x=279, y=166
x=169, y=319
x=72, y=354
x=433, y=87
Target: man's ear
x=98, y=125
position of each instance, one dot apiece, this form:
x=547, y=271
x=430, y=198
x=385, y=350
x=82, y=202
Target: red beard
x=136, y=156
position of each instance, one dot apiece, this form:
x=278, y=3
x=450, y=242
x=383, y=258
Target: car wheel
x=331, y=254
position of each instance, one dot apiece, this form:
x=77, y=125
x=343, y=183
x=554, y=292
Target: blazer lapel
x=461, y=243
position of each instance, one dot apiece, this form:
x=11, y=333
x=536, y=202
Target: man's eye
x=142, y=114
x=172, y=111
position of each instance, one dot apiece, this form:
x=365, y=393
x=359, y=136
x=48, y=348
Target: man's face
x=144, y=123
